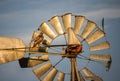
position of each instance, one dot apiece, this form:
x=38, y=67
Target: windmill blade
x=87, y=72
x=56, y=24
x=11, y=54
x=78, y=23
x=88, y=29
x=50, y=76
x=103, y=23
x=36, y=39
x=95, y=36
x=94, y=78
x=90, y=75
x=42, y=69
x=61, y=76
x=105, y=57
x=46, y=30
x=35, y=34
x=108, y=64
x=100, y=46
x=33, y=61
x=72, y=38
x=66, y=20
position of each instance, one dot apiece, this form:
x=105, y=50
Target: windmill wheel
x=64, y=47
x=72, y=42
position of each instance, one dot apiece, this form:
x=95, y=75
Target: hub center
x=73, y=49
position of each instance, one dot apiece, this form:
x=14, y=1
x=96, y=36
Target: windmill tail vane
x=68, y=41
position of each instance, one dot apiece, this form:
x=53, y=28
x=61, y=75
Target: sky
x=19, y=18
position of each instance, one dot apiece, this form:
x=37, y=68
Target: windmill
x=63, y=37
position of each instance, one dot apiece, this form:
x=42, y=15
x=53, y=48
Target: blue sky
x=19, y=18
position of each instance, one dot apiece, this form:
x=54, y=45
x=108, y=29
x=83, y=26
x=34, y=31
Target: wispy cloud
x=107, y=13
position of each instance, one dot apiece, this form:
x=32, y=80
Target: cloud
x=107, y=13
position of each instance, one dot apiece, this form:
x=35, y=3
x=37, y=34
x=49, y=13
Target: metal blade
x=50, y=76
x=104, y=57
x=66, y=20
x=78, y=23
x=108, y=64
x=46, y=30
x=72, y=37
x=95, y=36
x=90, y=75
x=56, y=24
x=94, y=78
x=100, y=46
x=87, y=72
x=88, y=29
x=35, y=34
x=12, y=54
x=61, y=76
x=32, y=61
x=42, y=69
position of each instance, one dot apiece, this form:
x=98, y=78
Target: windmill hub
x=73, y=50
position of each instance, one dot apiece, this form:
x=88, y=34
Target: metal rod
x=38, y=47
x=54, y=54
x=60, y=45
x=72, y=69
